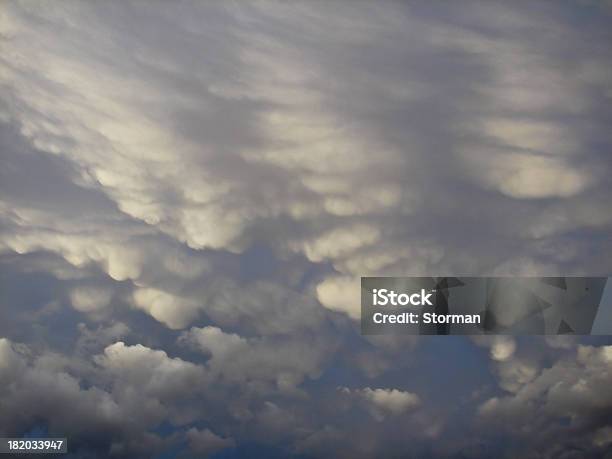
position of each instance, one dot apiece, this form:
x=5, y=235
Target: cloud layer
x=189, y=194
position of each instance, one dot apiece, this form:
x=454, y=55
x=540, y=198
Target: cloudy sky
x=190, y=191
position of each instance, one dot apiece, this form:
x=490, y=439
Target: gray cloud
x=190, y=193
x=559, y=410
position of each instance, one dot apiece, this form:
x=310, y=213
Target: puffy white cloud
x=42, y=387
x=530, y=175
x=341, y=294
x=142, y=369
x=174, y=311
x=214, y=341
x=120, y=261
x=502, y=348
x=90, y=299
x=204, y=442
x=391, y=400
x=385, y=402
x=570, y=398
x=283, y=361
x=340, y=242
x=117, y=402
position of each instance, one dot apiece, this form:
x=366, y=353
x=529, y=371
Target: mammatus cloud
x=341, y=294
x=171, y=310
x=190, y=194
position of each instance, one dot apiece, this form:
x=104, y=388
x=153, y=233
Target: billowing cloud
x=205, y=443
x=571, y=398
x=502, y=348
x=282, y=361
x=189, y=196
x=341, y=294
x=385, y=402
x=90, y=299
x=39, y=388
x=169, y=309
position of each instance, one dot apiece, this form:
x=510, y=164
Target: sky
x=191, y=191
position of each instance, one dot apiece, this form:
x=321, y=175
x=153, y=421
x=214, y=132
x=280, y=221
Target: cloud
x=341, y=294
x=90, y=299
x=204, y=442
x=175, y=312
x=347, y=177
x=385, y=402
x=151, y=371
x=188, y=198
x=284, y=361
x=94, y=340
x=9, y=359
x=38, y=388
x=521, y=175
x=570, y=397
x=502, y=348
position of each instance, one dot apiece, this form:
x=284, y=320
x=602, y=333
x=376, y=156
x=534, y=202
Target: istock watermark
x=486, y=305
x=382, y=297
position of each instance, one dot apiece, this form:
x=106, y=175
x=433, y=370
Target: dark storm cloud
x=556, y=410
x=190, y=193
